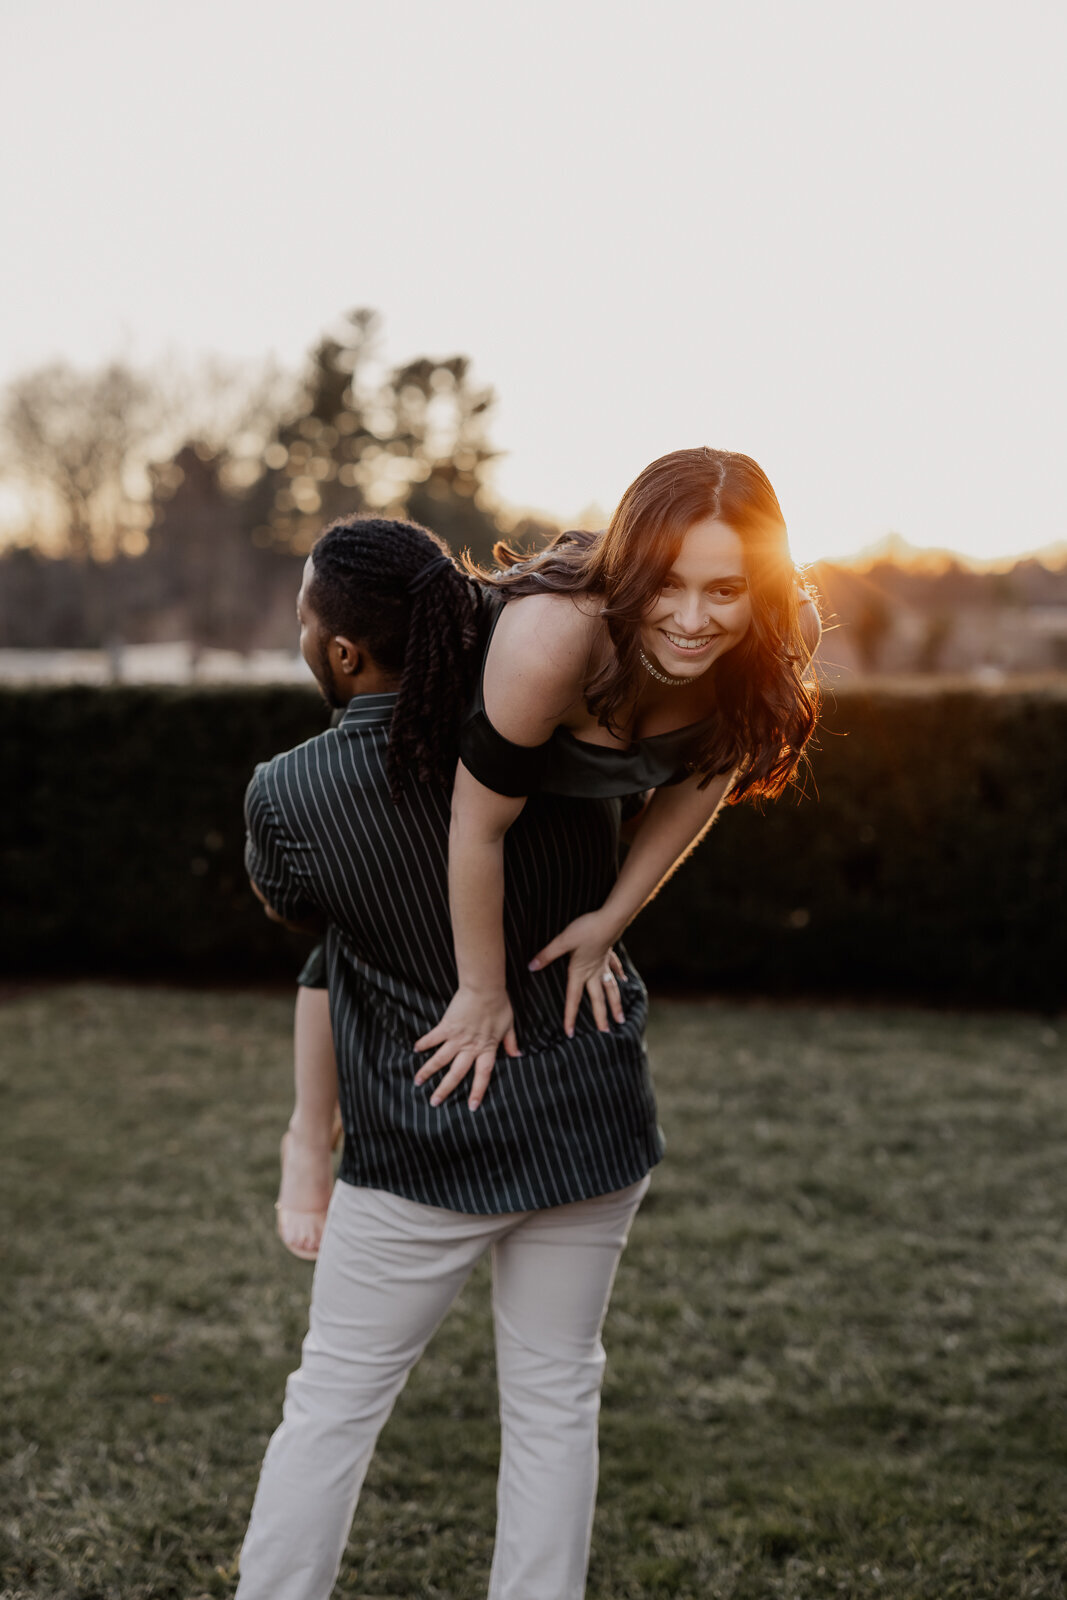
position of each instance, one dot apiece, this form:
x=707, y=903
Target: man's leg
x=552, y=1278
x=387, y=1272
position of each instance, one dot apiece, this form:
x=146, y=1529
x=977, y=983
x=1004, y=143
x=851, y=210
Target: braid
x=363, y=568
x=440, y=669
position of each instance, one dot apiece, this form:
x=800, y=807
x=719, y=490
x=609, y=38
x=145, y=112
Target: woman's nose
x=691, y=614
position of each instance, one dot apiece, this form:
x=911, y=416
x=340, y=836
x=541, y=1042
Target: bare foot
x=304, y=1195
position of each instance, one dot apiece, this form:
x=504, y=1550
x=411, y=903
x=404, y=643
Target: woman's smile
x=689, y=646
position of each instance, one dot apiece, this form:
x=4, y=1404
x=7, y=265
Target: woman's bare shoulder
x=559, y=621
x=538, y=662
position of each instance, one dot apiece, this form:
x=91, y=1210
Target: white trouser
x=387, y=1272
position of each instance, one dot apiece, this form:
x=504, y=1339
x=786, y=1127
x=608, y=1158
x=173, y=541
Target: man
x=352, y=828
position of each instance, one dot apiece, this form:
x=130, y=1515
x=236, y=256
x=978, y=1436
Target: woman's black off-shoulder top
x=565, y=764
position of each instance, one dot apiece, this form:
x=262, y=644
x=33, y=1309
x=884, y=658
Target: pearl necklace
x=663, y=677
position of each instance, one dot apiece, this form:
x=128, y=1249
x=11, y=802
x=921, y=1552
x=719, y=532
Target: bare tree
x=74, y=449
x=215, y=469
x=77, y=447
x=228, y=412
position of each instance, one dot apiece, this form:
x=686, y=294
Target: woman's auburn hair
x=766, y=711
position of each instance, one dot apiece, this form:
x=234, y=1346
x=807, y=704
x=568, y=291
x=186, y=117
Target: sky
x=827, y=234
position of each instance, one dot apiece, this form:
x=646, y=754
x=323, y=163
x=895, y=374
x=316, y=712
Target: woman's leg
x=388, y=1271
x=312, y=1135
x=552, y=1279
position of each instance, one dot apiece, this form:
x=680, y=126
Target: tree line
x=162, y=505
x=167, y=504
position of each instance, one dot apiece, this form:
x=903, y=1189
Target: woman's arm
x=676, y=819
x=479, y=1017
x=533, y=675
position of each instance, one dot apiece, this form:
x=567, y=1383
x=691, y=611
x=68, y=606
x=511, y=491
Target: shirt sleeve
x=269, y=858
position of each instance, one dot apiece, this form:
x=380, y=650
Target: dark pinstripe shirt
x=571, y=1118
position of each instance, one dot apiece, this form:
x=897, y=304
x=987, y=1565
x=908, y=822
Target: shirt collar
x=365, y=710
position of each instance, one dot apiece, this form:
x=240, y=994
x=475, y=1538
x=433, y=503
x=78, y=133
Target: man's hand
x=594, y=969
x=468, y=1035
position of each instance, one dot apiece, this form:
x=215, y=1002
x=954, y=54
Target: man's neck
x=372, y=680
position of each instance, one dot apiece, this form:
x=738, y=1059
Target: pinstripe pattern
x=569, y=1120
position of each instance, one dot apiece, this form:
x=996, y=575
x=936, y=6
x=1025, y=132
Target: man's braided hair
x=362, y=569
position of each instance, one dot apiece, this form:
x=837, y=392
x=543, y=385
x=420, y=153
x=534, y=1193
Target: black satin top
x=565, y=764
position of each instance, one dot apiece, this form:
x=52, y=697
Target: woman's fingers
x=440, y=1058
x=594, y=970
x=617, y=972
x=453, y=1077
x=604, y=994
x=471, y=1031
x=483, y=1062
x=461, y=1066
x=610, y=984
x=483, y=1071
x=550, y=953
x=595, y=990
x=573, y=999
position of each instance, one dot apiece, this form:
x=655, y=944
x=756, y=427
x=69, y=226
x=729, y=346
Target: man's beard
x=325, y=679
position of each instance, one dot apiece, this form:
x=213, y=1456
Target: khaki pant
x=387, y=1273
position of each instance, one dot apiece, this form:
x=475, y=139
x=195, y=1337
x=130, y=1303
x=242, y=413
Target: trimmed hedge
x=122, y=829
x=933, y=864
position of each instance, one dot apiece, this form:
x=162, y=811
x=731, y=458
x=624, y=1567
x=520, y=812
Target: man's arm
x=285, y=896
x=314, y=924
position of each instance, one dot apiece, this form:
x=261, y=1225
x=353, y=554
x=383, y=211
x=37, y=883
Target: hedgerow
x=927, y=855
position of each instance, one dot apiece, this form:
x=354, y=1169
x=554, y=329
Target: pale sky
x=826, y=233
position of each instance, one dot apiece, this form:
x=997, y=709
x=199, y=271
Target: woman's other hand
x=468, y=1035
x=594, y=969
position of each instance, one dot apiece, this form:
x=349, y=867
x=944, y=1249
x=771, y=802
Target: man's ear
x=350, y=658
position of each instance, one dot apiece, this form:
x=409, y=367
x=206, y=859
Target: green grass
x=836, y=1349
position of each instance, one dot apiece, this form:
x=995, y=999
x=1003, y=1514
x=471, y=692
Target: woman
x=666, y=653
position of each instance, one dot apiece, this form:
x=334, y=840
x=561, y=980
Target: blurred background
x=156, y=522
x=478, y=266
x=576, y=239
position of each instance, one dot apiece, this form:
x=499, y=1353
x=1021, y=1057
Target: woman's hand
x=468, y=1035
x=594, y=969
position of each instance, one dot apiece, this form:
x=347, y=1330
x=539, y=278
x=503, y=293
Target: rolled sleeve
x=269, y=858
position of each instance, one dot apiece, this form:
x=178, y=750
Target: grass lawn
x=836, y=1352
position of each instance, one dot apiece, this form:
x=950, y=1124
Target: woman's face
x=704, y=607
